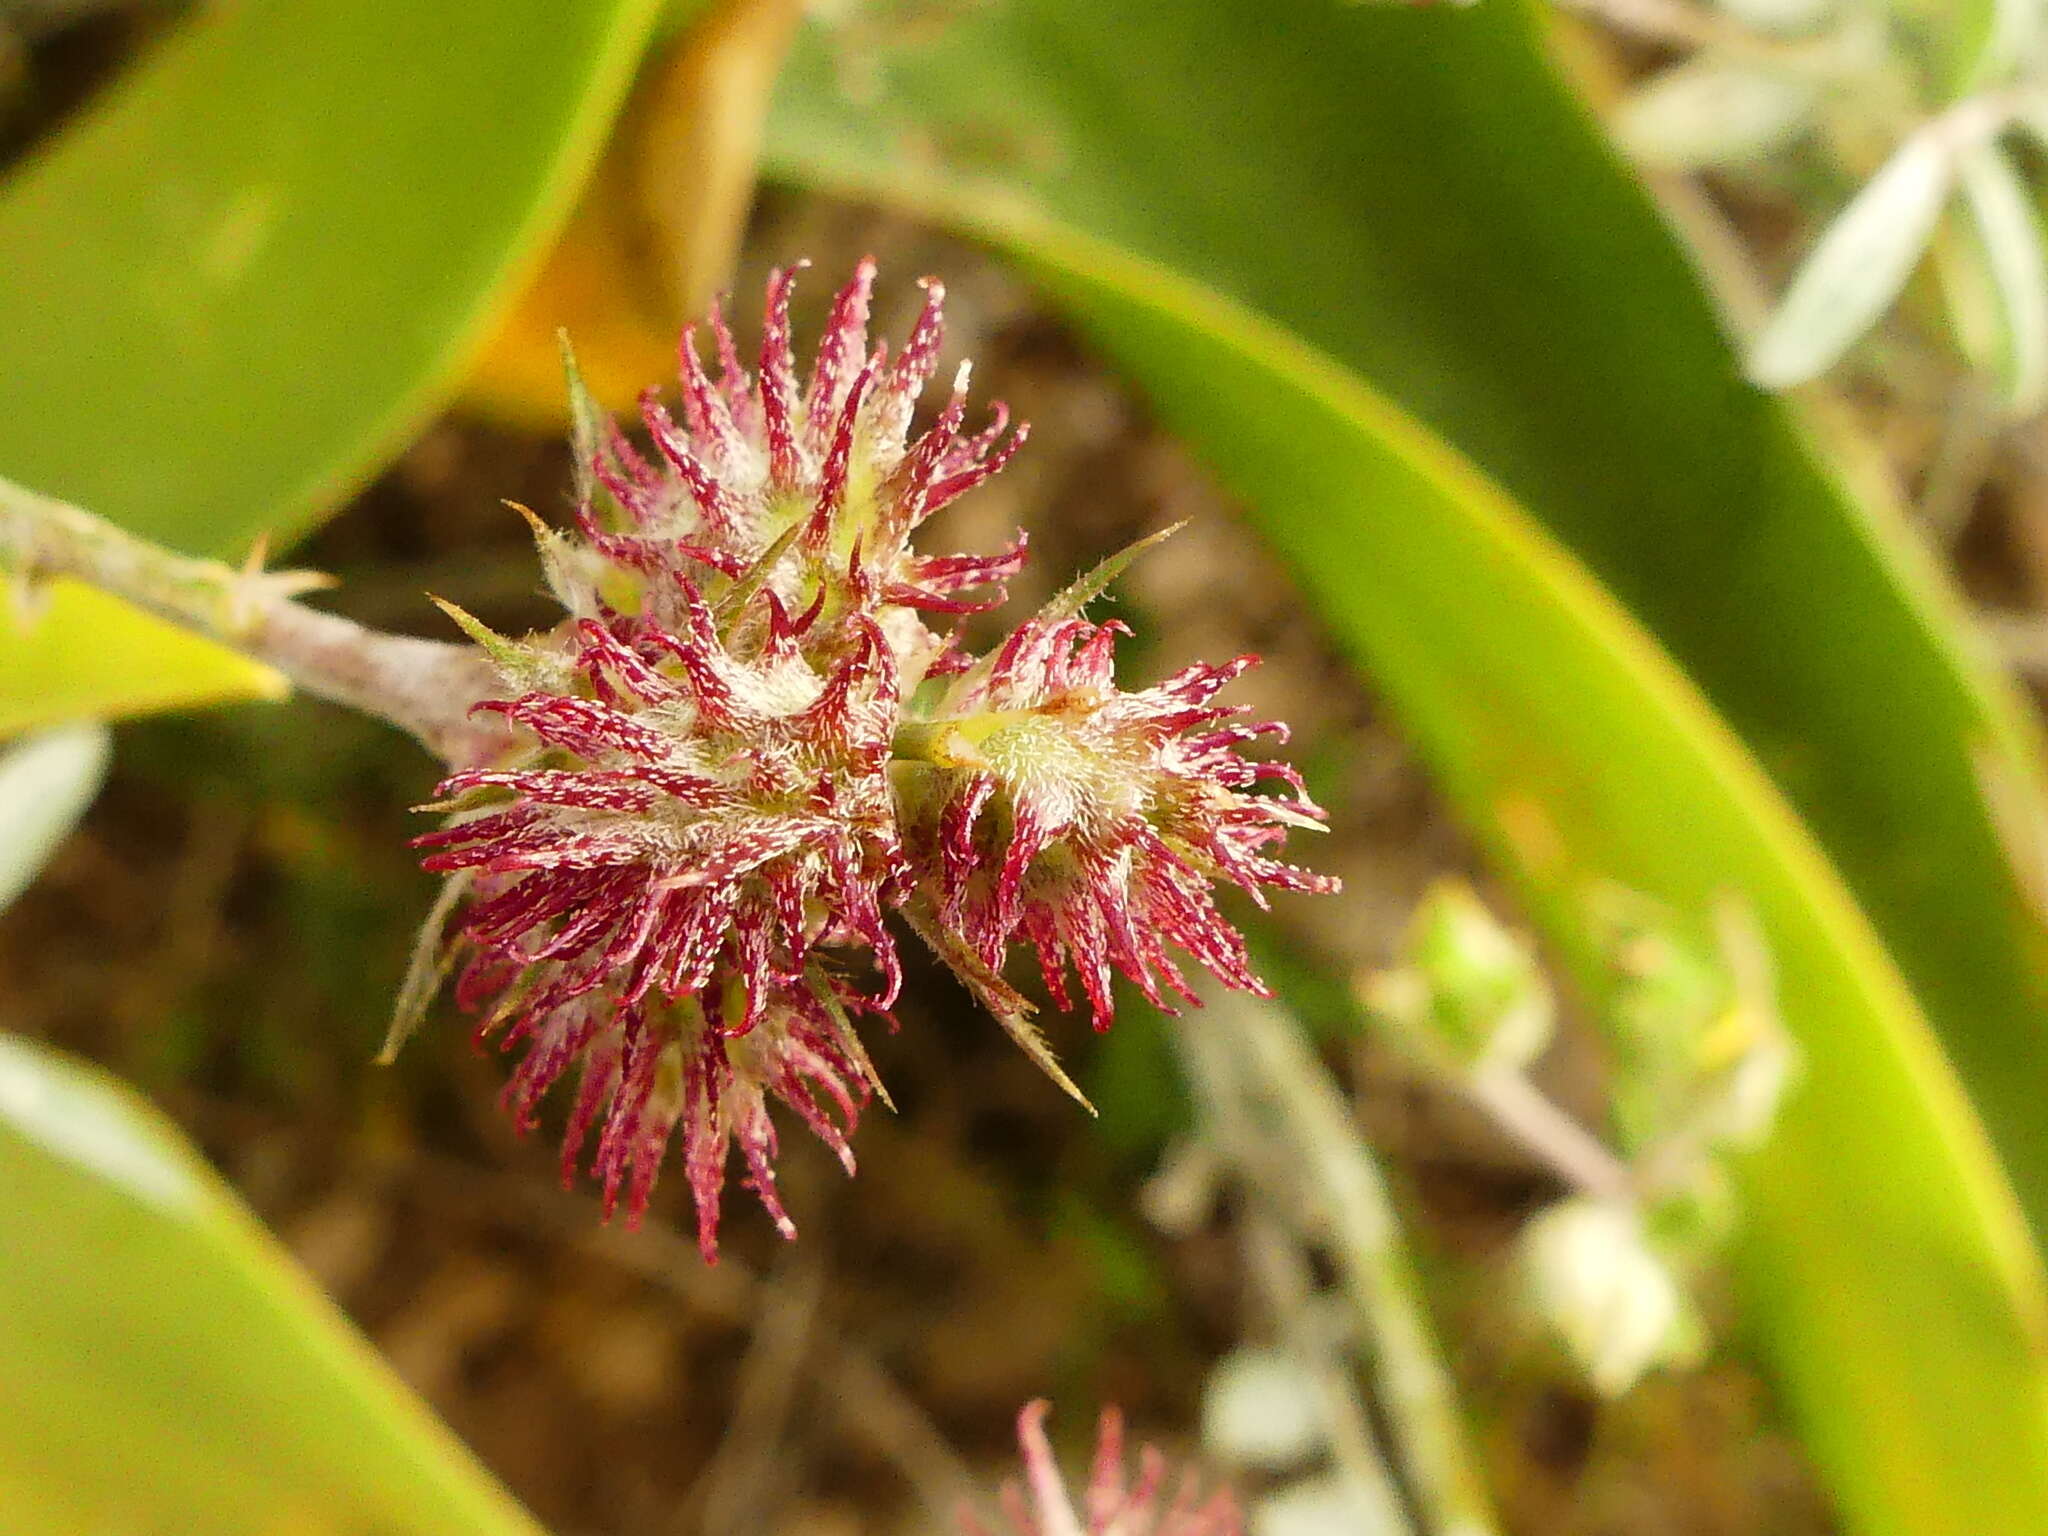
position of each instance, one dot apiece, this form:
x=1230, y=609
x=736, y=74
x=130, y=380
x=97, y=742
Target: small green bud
x=1469, y=991
x=1700, y=1046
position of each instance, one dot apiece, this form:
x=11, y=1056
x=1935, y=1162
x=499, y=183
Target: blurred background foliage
x=1719, y=1184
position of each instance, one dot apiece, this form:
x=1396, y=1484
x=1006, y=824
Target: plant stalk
x=1279, y=1119
x=424, y=687
x=1548, y=1134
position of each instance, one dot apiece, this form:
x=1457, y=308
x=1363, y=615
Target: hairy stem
x=1282, y=1271
x=424, y=687
x=1279, y=1120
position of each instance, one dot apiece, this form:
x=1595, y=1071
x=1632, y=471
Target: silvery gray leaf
x=1859, y=265
x=46, y=782
x=2002, y=209
x=1709, y=112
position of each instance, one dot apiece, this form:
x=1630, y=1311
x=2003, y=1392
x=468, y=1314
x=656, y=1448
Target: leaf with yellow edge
x=250, y=269
x=167, y=1367
x=87, y=656
x=1412, y=192
x=1888, y=1271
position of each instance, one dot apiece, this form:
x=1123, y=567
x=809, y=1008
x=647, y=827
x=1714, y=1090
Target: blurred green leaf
x=1415, y=194
x=89, y=656
x=46, y=782
x=1959, y=46
x=165, y=1365
x=260, y=260
x=1887, y=1259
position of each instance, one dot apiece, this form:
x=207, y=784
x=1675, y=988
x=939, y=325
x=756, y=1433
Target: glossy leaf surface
x=1887, y=1261
x=165, y=1364
x=1322, y=193
x=256, y=264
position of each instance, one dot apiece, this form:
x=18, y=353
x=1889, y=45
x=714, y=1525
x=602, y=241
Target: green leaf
x=88, y=656
x=1414, y=195
x=165, y=1365
x=46, y=783
x=1578, y=751
x=1412, y=192
x=251, y=270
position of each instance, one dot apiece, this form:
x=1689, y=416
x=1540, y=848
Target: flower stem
x=1282, y=1270
x=1279, y=1119
x=1547, y=1133
x=424, y=687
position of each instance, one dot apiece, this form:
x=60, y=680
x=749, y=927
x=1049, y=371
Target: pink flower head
x=1111, y=1505
x=829, y=465
x=1094, y=822
x=664, y=884
x=709, y=820
x=739, y=754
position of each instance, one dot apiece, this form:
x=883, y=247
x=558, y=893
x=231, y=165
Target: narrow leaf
x=1858, y=267
x=1093, y=582
x=46, y=782
x=1386, y=205
x=1576, y=749
x=1709, y=112
x=1068, y=603
x=434, y=954
x=586, y=423
x=1011, y=1008
x=1421, y=199
x=2003, y=210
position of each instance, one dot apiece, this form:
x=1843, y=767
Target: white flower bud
x=1259, y=1410
x=1612, y=1302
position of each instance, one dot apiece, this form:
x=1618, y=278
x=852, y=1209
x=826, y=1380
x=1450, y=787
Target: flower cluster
x=756, y=734
x=1110, y=1505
